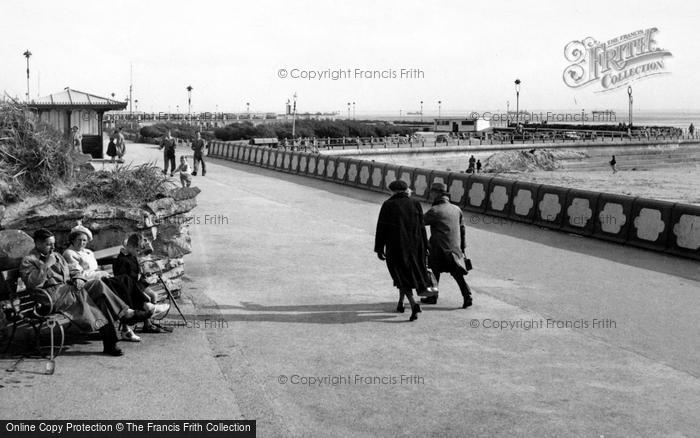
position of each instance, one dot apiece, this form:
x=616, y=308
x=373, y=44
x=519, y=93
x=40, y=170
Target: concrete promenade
x=293, y=326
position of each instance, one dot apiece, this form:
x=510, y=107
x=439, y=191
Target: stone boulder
x=14, y=244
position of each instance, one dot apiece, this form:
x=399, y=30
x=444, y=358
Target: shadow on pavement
x=310, y=314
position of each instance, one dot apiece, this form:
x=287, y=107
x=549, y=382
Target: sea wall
x=673, y=228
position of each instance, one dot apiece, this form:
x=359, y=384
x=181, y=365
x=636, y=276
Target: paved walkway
x=296, y=330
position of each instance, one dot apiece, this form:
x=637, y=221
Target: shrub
x=124, y=185
x=33, y=155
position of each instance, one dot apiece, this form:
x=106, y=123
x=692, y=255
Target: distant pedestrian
x=472, y=163
x=198, y=146
x=447, y=242
x=77, y=139
x=402, y=242
x=478, y=166
x=112, y=146
x=613, y=162
x=168, y=146
x=121, y=145
x=184, y=169
x=691, y=130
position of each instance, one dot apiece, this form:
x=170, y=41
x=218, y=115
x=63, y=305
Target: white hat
x=81, y=229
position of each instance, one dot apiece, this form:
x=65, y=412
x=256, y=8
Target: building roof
x=74, y=99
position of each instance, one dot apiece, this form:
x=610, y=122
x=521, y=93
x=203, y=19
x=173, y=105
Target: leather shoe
x=139, y=316
x=113, y=351
x=415, y=310
x=467, y=302
x=429, y=300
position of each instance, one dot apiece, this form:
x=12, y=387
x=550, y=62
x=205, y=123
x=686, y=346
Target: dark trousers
x=168, y=159
x=461, y=282
x=111, y=306
x=199, y=159
x=128, y=290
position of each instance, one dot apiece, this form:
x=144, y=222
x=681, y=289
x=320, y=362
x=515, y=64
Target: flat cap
x=398, y=186
x=438, y=187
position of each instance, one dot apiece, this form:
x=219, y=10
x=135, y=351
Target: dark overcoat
x=447, y=236
x=401, y=236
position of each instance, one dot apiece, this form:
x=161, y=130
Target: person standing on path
x=168, y=146
x=447, y=242
x=613, y=162
x=77, y=139
x=121, y=145
x=198, y=146
x=402, y=242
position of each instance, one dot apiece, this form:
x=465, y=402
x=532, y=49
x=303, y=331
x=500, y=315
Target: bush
x=311, y=128
x=34, y=156
x=178, y=130
x=125, y=185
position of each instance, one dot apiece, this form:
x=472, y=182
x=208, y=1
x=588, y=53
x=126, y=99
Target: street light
x=137, y=105
x=247, y=108
x=421, y=110
x=439, y=108
x=629, y=93
x=348, y=110
x=294, y=118
x=353, y=110
x=27, y=54
x=517, y=102
x=189, y=102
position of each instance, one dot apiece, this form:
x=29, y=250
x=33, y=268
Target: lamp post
x=439, y=108
x=517, y=102
x=348, y=110
x=27, y=54
x=421, y=110
x=294, y=117
x=629, y=93
x=507, y=113
x=137, y=105
x=189, y=102
x=247, y=109
x=353, y=110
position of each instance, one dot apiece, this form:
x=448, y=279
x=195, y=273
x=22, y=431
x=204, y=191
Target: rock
x=173, y=241
x=166, y=207
x=182, y=193
x=14, y=244
x=2, y=212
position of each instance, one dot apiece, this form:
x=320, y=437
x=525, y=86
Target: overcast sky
x=231, y=53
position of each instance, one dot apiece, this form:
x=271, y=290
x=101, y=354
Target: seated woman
x=81, y=261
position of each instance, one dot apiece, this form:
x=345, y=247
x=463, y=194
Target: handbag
x=468, y=264
x=432, y=288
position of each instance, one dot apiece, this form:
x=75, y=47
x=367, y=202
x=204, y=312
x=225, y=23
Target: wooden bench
x=34, y=309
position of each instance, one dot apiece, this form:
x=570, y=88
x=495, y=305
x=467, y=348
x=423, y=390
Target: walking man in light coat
x=447, y=241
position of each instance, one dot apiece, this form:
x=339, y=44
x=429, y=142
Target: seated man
x=91, y=305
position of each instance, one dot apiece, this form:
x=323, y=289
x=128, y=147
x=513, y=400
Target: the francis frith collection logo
x=614, y=63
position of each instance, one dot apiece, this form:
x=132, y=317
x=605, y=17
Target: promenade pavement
x=292, y=324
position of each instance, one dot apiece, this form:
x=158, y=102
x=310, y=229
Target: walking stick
x=170, y=295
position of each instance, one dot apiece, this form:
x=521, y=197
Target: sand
x=667, y=184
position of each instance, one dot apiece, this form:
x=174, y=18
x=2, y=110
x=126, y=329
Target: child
x=184, y=169
x=112, y=148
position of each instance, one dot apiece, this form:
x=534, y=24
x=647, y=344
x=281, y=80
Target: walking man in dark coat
x=401, y=240
x=168, y=145
x=447, y=241
x=198, y=146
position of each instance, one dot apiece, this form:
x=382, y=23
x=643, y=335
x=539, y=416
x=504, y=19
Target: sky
x=467, y=54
